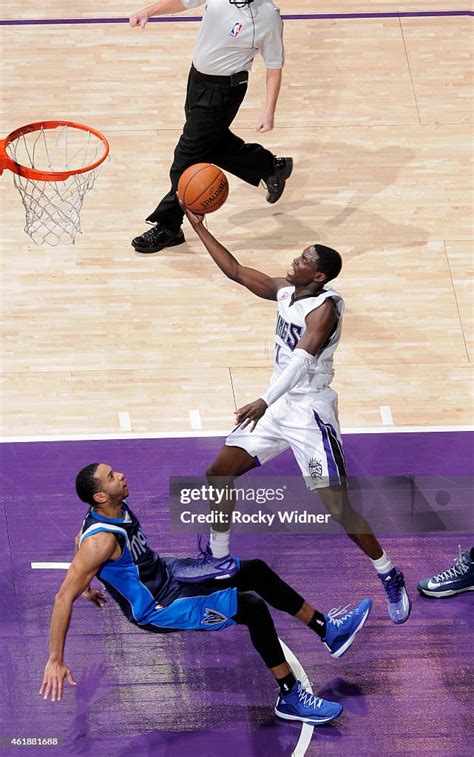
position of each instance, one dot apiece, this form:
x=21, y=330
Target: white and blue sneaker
x=398, y=601
x=458, y=578
x=342, y=626
x=205, y=567
x=301, y=705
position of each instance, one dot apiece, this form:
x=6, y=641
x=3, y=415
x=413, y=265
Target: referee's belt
x=234, y=80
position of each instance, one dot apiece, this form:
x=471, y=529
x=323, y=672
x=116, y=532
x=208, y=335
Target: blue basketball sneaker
x=342, y=626
x=205, y=567
x=398, y=601
x=458, y=578
x=301, y=705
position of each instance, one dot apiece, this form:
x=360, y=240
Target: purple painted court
x=405, y=689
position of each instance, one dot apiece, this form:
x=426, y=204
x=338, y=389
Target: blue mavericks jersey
x=140, y=579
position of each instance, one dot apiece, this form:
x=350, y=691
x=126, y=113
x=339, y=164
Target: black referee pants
x=210, y=109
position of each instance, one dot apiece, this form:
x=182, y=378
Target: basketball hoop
x=54, y=164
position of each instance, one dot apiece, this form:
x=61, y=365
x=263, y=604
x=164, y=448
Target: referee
x=231, y=34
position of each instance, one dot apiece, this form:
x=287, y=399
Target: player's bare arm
x=95, y=550
x=267, y=119
x=320, y=324
x=140, y=18
x=77, y=540
x=96, y=596
x=257, y=282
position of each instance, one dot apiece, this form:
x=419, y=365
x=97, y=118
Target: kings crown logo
x=315, y=468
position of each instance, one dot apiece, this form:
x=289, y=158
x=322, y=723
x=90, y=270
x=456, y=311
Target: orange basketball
x=203, y=188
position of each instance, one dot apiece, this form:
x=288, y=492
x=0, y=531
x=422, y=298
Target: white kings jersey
x=290, y=327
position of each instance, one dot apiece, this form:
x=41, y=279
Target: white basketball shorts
x=310, y=426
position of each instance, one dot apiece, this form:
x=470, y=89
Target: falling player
x=298, y=410
x=112, y=546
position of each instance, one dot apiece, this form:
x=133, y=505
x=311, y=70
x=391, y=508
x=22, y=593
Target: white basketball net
x=53, y=208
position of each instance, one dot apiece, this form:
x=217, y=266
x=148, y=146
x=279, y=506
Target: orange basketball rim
x=54, y=164
x=40, y=174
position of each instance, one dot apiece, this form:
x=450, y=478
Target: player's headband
x=240, y=3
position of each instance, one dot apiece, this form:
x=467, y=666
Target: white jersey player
x=301, y=408
x=298, y=410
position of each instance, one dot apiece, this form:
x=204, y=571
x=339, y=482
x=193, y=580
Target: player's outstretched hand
x=53, y=680
x=96, y=596
x=140, y=18
x=194, y=219
x=250, y=413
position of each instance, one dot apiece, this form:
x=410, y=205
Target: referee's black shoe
x=275, y=183
x=157, y=238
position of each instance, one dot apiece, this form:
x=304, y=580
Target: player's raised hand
x=250, y=413
x=193, y=218
x=53, y=680
x=140, y=18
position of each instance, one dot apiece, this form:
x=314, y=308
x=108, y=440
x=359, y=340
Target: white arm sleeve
x=299, y=365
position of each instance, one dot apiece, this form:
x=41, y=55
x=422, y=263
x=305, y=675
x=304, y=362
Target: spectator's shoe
x=275, y=184
x=342, y=626
x=157, y=238
x=458, y=578
x=301, y=705
x=205, y=567
x=398, y=601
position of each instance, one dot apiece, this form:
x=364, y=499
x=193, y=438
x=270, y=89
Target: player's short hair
x=86, y=484
x=329, y=261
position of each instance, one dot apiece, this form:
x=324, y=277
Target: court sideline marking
x=285, y=17
x=220, y=434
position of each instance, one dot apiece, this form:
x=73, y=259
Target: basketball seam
x=195, y=174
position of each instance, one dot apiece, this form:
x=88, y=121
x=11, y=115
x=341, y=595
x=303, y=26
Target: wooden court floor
x=376, y=113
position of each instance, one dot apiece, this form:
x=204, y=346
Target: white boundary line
x=219, y=433
x=50, y=565
x=300, y=673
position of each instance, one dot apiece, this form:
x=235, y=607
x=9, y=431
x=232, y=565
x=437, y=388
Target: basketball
x=203, y=188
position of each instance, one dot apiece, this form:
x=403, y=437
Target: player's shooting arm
x=257, y=282
x=86, y=563
x=320, y=324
